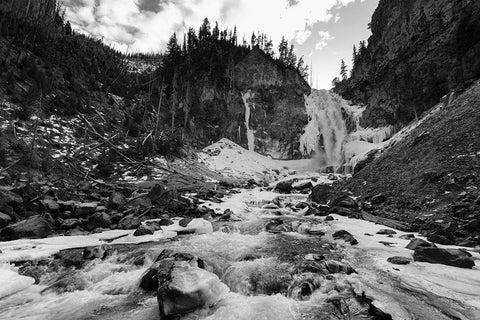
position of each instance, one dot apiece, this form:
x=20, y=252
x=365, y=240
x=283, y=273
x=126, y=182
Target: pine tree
x=254, y=40
x=235, y=36
x=343, y=70
x=216, y=32
x=291, y=57
x=192, y=40
x=205, y=30
x=283, y=50
x=68, y=28
x=354, y=58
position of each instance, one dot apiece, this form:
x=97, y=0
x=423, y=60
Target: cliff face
x=264, y=99
x=419, y=51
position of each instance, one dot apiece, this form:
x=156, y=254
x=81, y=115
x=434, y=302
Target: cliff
x=419, y=51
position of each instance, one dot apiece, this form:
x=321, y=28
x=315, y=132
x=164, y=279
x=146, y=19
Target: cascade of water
x=326, y=129
x=250, y=133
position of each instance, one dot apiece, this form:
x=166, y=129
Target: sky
x=323, y=31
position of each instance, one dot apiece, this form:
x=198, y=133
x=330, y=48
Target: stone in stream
x=386, y=232
x=144, y=230
x=450, y=257
x=417, y=242
x=284, y=187
x=399, y=260
x=346, y=236
x=34, y=227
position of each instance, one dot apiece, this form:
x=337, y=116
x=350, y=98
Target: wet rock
x=284, y=187
x=451, y=257
x=399, y=260
x=184, y=222
x=321, y=193
x=99, y=252
x=71, y=258
x=329, y=218
x=69, y=282
x=34, y=227
x=144, y=230
x=275, y=226
x=99, y=220
x=129, y=222
x=85, y=209
x=386, y=232
x=5, y=219
x=346, y=236
x=440, y=238
x=116, y=200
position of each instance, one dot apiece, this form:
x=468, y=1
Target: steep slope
x=431, y=176
x=419, y=51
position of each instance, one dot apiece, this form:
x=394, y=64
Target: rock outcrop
x=419, y=51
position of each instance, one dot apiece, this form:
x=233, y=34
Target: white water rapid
x=250, y=132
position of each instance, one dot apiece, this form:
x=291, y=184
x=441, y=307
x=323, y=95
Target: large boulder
x=99, y=220
x=35, y=227
x=450, y=257
x=284, y=187
x=5, y=219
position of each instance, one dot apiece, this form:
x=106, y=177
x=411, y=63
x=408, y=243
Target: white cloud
x=324, y=38
x=122, y=21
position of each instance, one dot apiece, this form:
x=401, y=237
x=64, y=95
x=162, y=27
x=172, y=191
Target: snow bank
x=11, y=282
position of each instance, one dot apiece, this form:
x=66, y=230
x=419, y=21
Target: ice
x=11, y=282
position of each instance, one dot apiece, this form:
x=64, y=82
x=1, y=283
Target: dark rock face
x=449, y=257
x=34, y=227
x=419, y=51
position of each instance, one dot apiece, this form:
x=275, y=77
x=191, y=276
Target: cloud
x=324, y=38
x=146, y=25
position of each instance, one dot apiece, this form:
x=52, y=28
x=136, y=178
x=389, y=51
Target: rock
x=143, y=202
x=440, y=239
x=129, y=222
x=197, y=226
x=84, y=186
x=329, y=218
x=71, y=258
x=144, y=230
x=321, y=193
x=226, y=215
x=116, y=200
x=184, y=222
x=4, y=220
x=417, y=242
x=346, y=236
x=284, y=187
x=50, y=205
x=85, y=209
x=303, y=185
x=35, y=227
x=386, y=232
x=399, y=260
x=345, y=201
x=69, y=282
x=10, y=197
x=98, y=252
x=99, y=220
x=69, y=223
x=304, y=228
x=451, y=257
x=316, y=230
x=407, y=236
x=165, y=222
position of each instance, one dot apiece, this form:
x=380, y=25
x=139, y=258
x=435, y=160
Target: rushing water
x=246, y=96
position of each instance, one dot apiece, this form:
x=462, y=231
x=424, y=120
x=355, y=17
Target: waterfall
x=333, y=133
x=326, y=130
x=250, y=133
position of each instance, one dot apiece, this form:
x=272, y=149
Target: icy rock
x=450, y=257
x=34, y=227
x=4, y=220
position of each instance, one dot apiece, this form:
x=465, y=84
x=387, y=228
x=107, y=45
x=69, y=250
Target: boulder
x=70, y=223
x=345, y=201
x=284, y=187
x=440, y=238
x=450, y=257
x=129, y=222
x=399, y=260
x=144, y=230
x=329, y=218
x=300, y=186
x=5, y=219
x=116, y=200
x=99, y=220
x=321, y=193
x=417, y=242
x=184, y=222
x=50, y=205
x=85, y=209
x=10, y=197
x=346, y=236
x=35, y=227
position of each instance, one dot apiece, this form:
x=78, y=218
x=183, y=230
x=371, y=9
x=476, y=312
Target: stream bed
x=298, y=272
